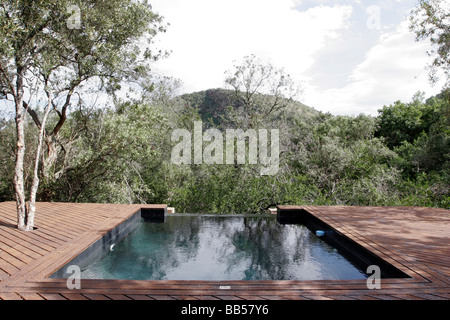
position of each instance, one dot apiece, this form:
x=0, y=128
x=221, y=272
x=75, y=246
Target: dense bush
x=122, y=155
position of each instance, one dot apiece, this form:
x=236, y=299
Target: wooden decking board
x=137, y=297
x=31, y=296
x=3, y=274
x=60, y=232
x=339, y=297
x=206, y=297
x=182, y=297
x=161, y=297
x=10, y=296
x=117, y=297
x=57, y=232
x=37, y=238
x=52, y=296
x=416, y=240
x=7, y=267
x=22, y=251
x=250, y=297
x=96, y=297
x=427, y=296
x=228, y=297
x=275, y=297
x=15, y=258
x=74, y=296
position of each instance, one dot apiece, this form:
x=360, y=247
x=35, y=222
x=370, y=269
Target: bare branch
x=33, y=114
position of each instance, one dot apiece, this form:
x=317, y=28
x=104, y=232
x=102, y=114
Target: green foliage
x=38, y=34
x=218, y=107
x=6, y=159
x=430, y=20
x=122, y=155
x=331, y=161
x=111, y=153
x=344, y=160
x=403, y=121
x=419, y=133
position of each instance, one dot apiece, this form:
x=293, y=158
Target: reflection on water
x=222, y=248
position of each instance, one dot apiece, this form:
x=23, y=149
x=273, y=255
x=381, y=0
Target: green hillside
x=213, y=105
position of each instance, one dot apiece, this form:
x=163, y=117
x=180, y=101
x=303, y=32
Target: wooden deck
x=415, y=240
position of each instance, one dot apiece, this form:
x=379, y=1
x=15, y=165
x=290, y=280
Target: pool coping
x=426, y=281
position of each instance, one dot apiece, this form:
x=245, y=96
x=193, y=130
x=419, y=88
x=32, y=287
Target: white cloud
x=393, y=69
x=206, y=36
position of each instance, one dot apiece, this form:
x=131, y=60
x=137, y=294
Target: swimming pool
x=221, y=248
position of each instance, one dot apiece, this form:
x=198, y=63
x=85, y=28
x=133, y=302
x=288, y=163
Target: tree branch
x=33, y=114
x=8, y=81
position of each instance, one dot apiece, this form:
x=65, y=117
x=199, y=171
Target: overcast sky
x=353, y=56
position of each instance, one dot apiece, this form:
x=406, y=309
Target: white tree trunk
x=18, y=181
x=35, y=185
x=18, y=173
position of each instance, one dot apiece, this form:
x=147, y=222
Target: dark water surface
x=198, y=247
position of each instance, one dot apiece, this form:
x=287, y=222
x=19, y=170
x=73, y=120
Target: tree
x=109, y=160
x=49, y=50
x=431, y=19
x=418, y=132
x=261, y=89
x=402, y=121
x=406, y=122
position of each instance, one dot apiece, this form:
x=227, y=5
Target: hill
x=212, y=105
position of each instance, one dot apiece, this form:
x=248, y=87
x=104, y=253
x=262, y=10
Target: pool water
x=199, y=247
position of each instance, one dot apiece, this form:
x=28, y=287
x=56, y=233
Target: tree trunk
x=35, y=185
x=19, y=184
x=50, y=160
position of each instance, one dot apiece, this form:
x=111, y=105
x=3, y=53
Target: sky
x=349, y=56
